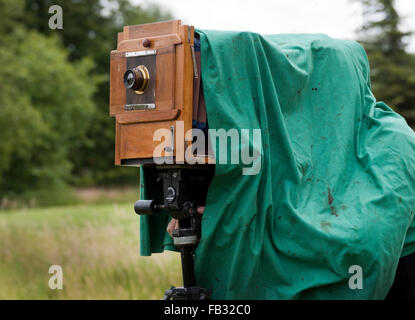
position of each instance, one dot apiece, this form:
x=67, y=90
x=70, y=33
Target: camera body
x=152, y=75
x=155, y=87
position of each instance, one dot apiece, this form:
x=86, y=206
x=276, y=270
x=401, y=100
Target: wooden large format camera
x=156, y=86
x=153, y=74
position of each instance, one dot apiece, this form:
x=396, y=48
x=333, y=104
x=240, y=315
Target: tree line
x=392, y=66
x=55, y=129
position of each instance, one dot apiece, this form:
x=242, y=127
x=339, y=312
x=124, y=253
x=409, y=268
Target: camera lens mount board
x=146, y=99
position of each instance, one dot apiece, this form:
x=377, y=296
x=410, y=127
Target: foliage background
x=55, y=130
x=392, y=67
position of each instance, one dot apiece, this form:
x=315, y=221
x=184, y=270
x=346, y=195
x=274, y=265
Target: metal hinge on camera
x=143, y=106
x=140, y=53
x=171, y=148
x=195, y=73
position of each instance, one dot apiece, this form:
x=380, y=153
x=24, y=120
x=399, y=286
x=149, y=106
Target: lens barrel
x=133, y=79
x=137, y=79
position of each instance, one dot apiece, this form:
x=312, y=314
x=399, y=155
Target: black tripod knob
x=146, y=207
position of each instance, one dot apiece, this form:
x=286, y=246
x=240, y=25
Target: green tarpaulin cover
x=337, y=182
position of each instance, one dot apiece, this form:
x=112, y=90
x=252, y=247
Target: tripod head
x=177, y=198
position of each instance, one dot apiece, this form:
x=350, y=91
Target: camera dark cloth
x=336, y=186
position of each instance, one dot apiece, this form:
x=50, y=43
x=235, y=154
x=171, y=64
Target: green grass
x=68, y=196
x=97, y=246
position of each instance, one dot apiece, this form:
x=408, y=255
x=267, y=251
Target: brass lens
x=137, y=79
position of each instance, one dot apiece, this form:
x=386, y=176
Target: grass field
x=97, y=246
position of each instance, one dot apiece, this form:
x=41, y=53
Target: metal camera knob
x=137, y=79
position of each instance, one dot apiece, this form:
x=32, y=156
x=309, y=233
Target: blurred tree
x=9, y=12
x=90, y=30
x=392, y=68
x=46, y=106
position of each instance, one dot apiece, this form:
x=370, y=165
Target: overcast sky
x=337, y=18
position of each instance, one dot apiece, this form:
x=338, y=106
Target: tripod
x=176, y=195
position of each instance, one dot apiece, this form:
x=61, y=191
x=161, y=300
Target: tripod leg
x=188, y=271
